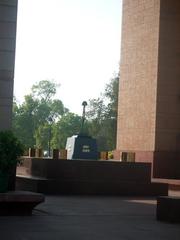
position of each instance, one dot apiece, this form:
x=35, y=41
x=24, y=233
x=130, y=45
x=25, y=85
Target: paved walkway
x=90, y=218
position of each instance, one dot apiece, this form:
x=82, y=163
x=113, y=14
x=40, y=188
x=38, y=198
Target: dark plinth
x=19, y=203
x=81, y=147
x=168, y=209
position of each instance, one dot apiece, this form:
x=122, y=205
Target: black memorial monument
x=82, y=146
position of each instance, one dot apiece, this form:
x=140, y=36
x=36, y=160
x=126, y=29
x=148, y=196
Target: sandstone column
x=149, y=91
x=8, y=18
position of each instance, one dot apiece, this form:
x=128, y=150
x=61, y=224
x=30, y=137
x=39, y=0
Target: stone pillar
x=149, y=91
x=8, y=18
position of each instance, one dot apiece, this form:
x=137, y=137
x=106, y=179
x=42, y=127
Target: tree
x=110, y=123
x=24, y=120
x=41, y=114
x=95, y=117
x=68, y=125
x=111, y=93
x=42, y=136
x=44, y=90
x=31, y=118
x=102, y=116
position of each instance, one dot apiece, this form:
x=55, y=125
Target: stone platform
x=168, y=209
x=19, y=203
x=56, y=176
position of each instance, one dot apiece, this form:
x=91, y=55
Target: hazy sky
x=74, y=42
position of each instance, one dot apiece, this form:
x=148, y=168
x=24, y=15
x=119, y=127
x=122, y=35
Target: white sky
x=74, y=42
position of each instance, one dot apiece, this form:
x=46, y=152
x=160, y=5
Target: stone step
x=18, y=203
x=92, y=186
x=168, y=209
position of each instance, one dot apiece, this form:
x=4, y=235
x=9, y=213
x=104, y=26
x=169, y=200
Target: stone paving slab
x=90, y=218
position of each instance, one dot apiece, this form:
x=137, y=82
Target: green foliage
x=41, y=117
x=44, y=90
x=67, y=126
x=110, y=155
x=31, y=119
x=25, y=120
x=42, y=135
x=102, y=116
x=10, y=150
